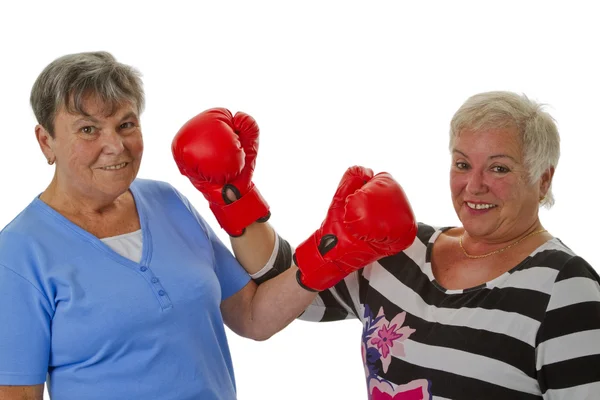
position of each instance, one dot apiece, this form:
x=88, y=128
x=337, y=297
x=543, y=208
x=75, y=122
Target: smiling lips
x=479, y=206
x=115, y=167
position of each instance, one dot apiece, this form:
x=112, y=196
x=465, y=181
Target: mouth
x=115, y=166
x=480, y=206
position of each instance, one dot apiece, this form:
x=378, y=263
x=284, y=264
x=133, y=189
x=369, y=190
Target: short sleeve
x=25, y=317
x=568, y=343
x=232, y=276
x=335, y=304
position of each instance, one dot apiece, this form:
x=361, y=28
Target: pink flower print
x=386, y=339
x=415, y=390
x=389, y=338
x=413, y=394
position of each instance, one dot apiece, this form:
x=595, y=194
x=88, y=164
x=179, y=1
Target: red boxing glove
x=217, y=151
x=368, y=219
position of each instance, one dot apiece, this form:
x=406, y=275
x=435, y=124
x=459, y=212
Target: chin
x=116, y=188
x=477, y=228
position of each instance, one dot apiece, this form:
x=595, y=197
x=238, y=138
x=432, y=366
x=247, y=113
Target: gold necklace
x=460, y=242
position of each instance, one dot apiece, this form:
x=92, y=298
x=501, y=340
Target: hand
x=368, y=219
x=217, y=152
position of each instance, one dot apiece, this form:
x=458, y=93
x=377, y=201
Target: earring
x=50, y=162
x=542, y=199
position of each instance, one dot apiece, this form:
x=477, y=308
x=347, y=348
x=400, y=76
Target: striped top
x=532, y=333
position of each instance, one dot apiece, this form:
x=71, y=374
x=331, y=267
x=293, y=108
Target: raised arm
x=368, y=219
x=217, y=152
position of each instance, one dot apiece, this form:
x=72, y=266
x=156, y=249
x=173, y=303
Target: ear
x=546, y=181
x=46, y=142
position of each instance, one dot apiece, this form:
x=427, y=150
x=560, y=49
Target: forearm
x=34, y=392
x=254, y=248
x=277, y=302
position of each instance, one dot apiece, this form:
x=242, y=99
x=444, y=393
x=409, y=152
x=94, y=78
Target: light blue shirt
x=101, y=326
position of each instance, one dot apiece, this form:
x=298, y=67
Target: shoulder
x=577, y=267
x=418, y=249
x=571, y=275
x=574, y=297
x=417, y=254
x=24, y=245
x=20, y=235
x=158, y=194
x=23, y=220
x=425, y=232
x=153, y=187
x=554, y=254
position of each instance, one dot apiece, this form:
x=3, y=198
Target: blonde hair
x=538, y=131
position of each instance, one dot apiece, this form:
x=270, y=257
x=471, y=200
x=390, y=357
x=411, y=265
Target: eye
x=500, y=169
x=461, y=165
x=127, y=125
x=88, y=130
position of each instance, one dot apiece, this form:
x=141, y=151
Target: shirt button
x=154, y=280
x=143, y=268
x=161, y=293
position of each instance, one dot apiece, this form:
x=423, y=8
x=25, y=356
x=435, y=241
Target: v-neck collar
x=98, y=243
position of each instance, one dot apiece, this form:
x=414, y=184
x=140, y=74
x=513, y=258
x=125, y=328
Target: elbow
x=259, y=330
x=261, y=338
x=259, y=333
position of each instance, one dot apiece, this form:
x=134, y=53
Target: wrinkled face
x=97, y=155
x=491, y=192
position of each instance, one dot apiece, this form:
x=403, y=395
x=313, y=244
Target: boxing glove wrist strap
x=308, y=258
x=235, y=217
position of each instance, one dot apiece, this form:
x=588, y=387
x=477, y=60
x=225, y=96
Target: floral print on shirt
x=380, y=339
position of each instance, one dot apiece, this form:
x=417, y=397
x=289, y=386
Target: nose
x=476, y=183
x=112, y=142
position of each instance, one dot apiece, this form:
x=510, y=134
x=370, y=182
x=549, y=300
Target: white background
x=331, y=84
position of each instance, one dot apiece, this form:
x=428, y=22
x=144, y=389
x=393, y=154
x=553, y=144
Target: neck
x=479, y=248
x=69, y=200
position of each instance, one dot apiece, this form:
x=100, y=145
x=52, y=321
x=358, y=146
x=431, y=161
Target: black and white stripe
x=532, y=333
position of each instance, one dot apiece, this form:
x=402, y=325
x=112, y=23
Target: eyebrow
x=130, y=114
x=504, y=156
x=491, y=157
x=84, y=120
x=89, y=118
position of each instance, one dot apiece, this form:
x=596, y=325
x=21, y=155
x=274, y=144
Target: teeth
x=480, y=206
x=118, y=166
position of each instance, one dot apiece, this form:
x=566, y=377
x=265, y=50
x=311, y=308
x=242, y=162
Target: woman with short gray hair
x=115, y=287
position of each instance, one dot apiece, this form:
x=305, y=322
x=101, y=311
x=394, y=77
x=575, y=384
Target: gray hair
x=67, y=81
x=538, y=131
